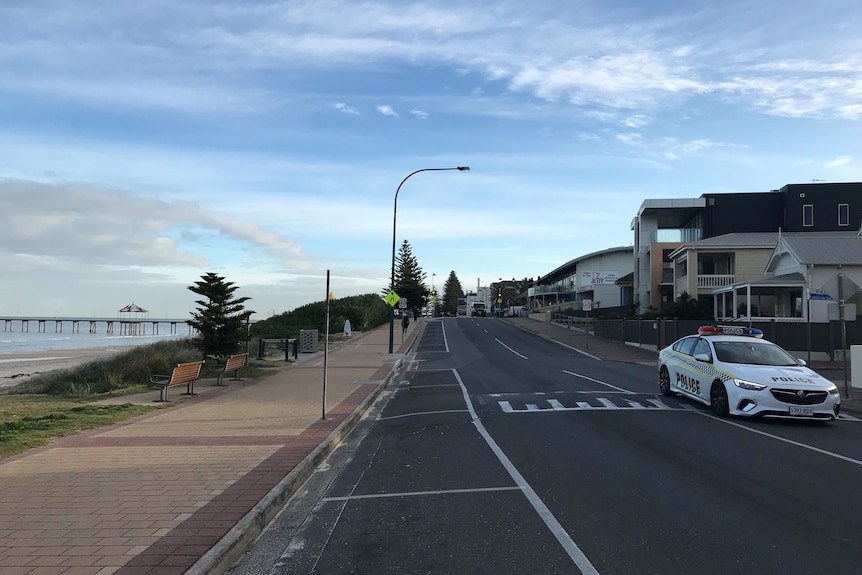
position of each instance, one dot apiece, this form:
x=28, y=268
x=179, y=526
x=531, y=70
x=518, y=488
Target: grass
x=28, y=421
x=63, y=402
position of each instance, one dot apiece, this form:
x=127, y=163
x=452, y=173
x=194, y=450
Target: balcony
x=549, y=290
x=710, y=281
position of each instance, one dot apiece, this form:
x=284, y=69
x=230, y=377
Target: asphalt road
x=501, y=452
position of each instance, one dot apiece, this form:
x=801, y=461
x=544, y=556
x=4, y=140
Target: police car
x=736, y=372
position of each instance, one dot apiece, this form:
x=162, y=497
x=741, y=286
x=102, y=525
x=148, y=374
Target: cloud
x=387, y=111
x=636, y=121
x=839, y=161
x=216, y=58
x=342, y=107
x=90, y=225
x=419, y=114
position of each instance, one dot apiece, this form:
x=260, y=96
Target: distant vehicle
x=736, y=372
x=477, y=309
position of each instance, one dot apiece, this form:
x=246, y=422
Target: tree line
x=223, y=324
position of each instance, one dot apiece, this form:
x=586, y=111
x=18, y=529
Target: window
x=843, y=214
x=701, y=347
x=808, y=215
x=685, y=345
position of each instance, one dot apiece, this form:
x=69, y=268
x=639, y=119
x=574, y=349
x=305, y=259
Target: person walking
x=405, y=321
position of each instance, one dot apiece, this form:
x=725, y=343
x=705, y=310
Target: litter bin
x=308, y=340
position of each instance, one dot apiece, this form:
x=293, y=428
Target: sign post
x=587, y=306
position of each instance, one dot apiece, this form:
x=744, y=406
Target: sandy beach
x=19, y=366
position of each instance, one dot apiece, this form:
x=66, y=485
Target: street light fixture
x=394, y=216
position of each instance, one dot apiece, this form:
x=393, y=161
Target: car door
x=677, y=366
x=699, y=378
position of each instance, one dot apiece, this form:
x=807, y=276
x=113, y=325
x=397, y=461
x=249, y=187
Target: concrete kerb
x=224, y=554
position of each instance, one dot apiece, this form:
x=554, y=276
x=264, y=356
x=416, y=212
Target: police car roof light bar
x=729, y=330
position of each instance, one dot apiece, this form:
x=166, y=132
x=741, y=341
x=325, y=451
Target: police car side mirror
x=704, y=357
x=801, y=361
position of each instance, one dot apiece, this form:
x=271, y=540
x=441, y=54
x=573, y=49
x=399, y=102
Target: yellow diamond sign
x=392, y=298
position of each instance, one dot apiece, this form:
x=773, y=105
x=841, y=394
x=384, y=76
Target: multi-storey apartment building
x=697, y=245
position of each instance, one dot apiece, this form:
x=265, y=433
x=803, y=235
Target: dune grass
x=65, y=401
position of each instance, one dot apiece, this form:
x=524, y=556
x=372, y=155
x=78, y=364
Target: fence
x=821, y=341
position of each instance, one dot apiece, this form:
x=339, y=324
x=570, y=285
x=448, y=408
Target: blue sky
x=143, y=144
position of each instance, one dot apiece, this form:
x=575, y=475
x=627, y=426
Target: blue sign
x=821, y=296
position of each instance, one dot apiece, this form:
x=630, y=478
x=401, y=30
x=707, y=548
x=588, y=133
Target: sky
x=144, y=144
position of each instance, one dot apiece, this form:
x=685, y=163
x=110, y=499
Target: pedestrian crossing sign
x=392, y=298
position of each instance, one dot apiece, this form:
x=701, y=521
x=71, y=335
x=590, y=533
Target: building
x=673, y=254
x=590, y=277
x=805, y=278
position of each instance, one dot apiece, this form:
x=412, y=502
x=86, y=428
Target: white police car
x=735, y=372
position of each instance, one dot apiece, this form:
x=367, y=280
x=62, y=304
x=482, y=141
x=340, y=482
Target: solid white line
x=426, y=386
x=597, y=381
x=510, y=349
x=580, y=351
x=445, y=339
x=422, y=413
x=419, y=493
x=545, y=514
x=785, y=440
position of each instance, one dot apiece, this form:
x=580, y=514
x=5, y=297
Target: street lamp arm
x=394, y=219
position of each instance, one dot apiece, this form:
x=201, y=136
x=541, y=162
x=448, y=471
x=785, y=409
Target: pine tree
x=451, y=290
x=410, y=279
x=220, y=320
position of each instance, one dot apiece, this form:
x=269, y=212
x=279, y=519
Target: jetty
x=108, y=325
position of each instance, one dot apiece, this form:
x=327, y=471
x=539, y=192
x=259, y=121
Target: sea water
x=30, y=341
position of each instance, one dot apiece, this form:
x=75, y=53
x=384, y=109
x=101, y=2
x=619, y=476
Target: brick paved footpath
x=187, y=488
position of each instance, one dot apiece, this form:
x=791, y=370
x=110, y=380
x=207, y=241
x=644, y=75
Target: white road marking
x=658, y=403
x=782, y=439
x=510, y=349
x=556, y=405
x=419, y=493
x=427, y=386
x=597, y=381
x=606, y=405
x=445, y=340
x=577, y=556
x=422, y=413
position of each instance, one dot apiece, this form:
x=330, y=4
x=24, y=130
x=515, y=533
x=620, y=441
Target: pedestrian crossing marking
x=604, y=404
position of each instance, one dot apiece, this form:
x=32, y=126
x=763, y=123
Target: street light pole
x=433, y=297
x=394, y=216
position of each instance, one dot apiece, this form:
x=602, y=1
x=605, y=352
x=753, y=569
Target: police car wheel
x=664, y=381
x=718, y=399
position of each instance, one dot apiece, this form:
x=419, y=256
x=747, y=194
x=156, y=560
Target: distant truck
x=477, y=309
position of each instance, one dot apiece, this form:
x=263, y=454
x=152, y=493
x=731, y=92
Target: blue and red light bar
x=729, y=330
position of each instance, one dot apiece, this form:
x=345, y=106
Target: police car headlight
x=833, y=390
x=741, y=383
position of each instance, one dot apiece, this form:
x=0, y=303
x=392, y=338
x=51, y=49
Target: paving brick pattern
x=153, y=494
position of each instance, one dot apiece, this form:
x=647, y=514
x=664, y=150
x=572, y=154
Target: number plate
x=797, y=410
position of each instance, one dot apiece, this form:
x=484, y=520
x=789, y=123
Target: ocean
x=16, y=341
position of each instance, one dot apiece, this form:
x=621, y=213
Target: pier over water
x=108, y=325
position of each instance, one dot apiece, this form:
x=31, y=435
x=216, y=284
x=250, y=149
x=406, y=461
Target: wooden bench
x=183, y=373
x=233, y=364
